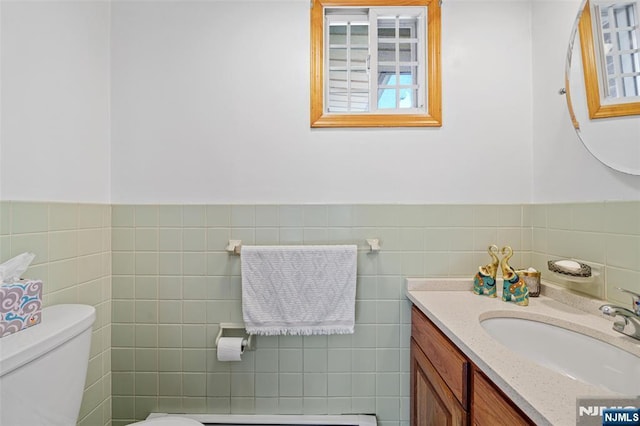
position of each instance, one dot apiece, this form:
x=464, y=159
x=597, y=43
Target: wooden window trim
x=591, y=80
x=433, y=117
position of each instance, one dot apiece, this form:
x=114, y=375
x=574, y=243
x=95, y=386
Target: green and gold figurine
x=484, y=281
x=513, y=285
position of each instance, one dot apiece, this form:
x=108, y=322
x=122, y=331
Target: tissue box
x=20, y=305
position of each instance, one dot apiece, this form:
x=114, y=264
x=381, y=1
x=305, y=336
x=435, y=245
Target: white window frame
x=371, y=17
x=348, y=20
x=613, y=51
x=421, y=86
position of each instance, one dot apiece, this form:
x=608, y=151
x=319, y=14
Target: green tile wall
x=173, y=283
x=605, y=235
x=72, y=243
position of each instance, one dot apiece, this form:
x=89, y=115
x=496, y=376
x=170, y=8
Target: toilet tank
x=43, y=368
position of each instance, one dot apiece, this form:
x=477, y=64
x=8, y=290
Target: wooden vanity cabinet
x=491, y=407
x=447, y=389
x=432, y=402
x=439, y=376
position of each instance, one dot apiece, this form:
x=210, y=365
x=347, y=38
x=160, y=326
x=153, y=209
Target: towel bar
x=235, y=246
x=374, y=244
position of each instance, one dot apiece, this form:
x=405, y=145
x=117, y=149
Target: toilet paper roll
x=230, y=348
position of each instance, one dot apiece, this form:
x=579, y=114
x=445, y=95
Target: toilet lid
x=168, y=421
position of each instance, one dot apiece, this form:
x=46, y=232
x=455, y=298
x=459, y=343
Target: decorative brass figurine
x=484, y=281
x=513, y=284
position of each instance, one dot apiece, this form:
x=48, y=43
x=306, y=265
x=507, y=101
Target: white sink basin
x=572, y=354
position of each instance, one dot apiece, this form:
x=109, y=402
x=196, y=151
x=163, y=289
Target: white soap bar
x=569, y=265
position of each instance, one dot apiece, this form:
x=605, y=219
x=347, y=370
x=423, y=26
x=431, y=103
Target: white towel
x=299, y=290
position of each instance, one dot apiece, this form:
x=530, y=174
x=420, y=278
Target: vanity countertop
x=545, y=396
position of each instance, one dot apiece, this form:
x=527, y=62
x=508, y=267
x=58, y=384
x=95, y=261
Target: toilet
x=167, y=421
x=43, y=368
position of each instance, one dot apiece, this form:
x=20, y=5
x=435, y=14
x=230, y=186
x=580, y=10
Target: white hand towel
x=299, y=290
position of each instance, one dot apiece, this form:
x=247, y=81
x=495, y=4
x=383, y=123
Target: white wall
x=210, y=104
x=54, y=76
x=564, y=170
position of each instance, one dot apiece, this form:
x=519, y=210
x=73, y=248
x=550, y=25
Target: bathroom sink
x=572, y=354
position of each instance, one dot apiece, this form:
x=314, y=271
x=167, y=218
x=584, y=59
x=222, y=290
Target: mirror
x=609, y=35
x=614, y=140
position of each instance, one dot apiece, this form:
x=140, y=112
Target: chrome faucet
x=630, y=324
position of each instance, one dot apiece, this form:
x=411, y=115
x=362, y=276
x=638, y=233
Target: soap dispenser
x=513, y=285
x=484, y=282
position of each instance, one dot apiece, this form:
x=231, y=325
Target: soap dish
x=575, y=279
x=570, y=268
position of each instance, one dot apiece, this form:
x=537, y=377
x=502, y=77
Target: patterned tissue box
x=20, y=306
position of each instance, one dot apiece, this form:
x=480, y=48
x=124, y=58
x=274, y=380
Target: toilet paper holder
x=230, y=329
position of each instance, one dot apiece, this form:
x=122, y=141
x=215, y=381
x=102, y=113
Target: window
x=609, y=37
x=374, y=63
x=618, y=36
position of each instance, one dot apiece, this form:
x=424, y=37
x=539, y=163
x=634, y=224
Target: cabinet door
x=451, y=364
x=491, y=408
x=432, y=403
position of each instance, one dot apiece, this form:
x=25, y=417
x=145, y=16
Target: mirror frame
x=591, y=80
